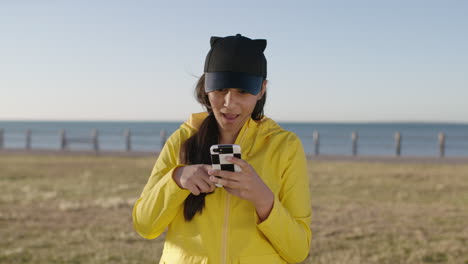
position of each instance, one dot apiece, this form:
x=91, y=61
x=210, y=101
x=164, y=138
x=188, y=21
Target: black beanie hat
x=235, y=62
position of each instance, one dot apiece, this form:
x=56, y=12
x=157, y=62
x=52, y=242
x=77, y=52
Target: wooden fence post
x=162, y=135
x=354, y=138
x=1, y=138
x=95, y=140
x=441, y=144
x=28, y=139
x=398, y=144
x=127, y=135
x=316, y=136
x=63, y=139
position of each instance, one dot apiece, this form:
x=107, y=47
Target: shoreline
x=338, y=158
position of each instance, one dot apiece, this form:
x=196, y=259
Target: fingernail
x=212, y=178
x=210, y=171
x=228, y=158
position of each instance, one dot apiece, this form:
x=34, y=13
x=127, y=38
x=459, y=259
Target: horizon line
x=278, y=121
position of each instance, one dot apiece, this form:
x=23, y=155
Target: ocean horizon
x=373, y=138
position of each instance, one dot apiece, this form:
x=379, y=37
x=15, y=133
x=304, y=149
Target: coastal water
x=418, y=139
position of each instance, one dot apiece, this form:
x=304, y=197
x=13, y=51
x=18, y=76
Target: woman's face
x=232, y=107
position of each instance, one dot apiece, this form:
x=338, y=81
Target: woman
x=262, y=214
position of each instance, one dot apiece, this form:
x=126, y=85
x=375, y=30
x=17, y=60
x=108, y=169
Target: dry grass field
x=77, y=209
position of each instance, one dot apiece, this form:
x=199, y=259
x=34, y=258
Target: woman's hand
x=194, y=178
x=246, y=185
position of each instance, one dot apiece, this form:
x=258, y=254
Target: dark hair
x=196, y=149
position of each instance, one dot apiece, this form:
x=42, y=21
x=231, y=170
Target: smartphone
x=219, y=154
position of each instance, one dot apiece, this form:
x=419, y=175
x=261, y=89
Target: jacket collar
x=247, y=135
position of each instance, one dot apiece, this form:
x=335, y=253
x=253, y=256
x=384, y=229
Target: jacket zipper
x=225, y=229
x=227, y=210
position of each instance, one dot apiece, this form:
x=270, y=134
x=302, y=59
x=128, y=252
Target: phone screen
x=219, y=154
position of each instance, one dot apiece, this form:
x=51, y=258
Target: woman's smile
x=230, y=118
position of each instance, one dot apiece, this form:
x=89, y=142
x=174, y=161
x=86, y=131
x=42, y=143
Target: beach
x=75, y=207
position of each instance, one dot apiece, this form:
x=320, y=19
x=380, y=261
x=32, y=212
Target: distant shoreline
x=346, y=158
x=178, y=122
x=386, y=139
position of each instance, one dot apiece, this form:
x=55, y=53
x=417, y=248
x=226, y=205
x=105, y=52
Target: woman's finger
x=202, y=185
x=229, y=175
x=206, y=167
x=244, y=165
x=193, y=189
x=225, y=182
x=211, y=184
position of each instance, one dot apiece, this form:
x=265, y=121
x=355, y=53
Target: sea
x=373, y=139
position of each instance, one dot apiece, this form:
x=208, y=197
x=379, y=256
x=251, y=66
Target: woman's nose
x=229, y=98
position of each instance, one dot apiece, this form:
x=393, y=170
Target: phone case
x=219, y=154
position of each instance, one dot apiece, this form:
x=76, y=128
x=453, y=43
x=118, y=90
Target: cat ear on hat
x=213, y=40
x=261, y=43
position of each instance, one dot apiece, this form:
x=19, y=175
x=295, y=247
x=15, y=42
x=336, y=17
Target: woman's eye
x=225, y=90
x=219, y=91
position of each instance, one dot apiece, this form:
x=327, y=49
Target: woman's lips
x=230, y=117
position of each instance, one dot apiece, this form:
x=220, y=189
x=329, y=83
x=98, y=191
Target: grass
x=77, y=209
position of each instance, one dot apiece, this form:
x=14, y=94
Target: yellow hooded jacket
x=228, y=229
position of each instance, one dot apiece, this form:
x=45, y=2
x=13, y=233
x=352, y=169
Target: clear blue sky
x=327, y=60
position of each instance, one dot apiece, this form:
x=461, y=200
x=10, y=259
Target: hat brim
x=223, y=80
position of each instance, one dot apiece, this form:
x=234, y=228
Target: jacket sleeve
x=288, y=225
x=161, y=197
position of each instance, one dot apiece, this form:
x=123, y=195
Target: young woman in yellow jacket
x=261, y=214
